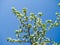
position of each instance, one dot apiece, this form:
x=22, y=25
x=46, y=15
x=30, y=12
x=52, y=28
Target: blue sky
x=9, y=23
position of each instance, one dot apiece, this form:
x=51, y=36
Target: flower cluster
x=39, y=29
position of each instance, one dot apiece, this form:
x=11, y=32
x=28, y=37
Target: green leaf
x=40, y=13
x=19, y=31
x=56, y=24
x=35, y=28
x=17, y=12
x=59, y=4
x=10, y=40
x=32, y=16
x=18, y=40
x=48, y=21
x=24, y=11
x=57, y=13
x=36, y=43
x=17, y=35
x=13, y=9
x=43, y=43
x=58, y=18
x=43, y=26
x=26, y=18
x=31, y=36
x=29, y=25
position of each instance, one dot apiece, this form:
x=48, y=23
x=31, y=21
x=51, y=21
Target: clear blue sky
x=9, y=23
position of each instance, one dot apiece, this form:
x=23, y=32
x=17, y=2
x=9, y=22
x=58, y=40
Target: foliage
x=34, y=33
